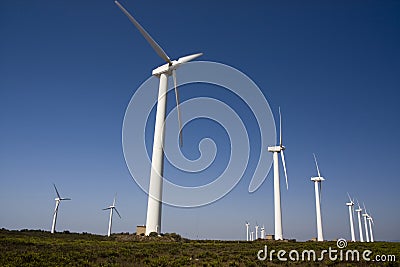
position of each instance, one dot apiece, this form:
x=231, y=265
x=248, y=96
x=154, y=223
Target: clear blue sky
x=69, y=68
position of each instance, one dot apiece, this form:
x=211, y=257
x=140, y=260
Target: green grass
x=39, y=248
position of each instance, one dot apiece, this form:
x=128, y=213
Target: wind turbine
x=247, y=231
x=111, y=208
x=251, y=236
x=317, y=186
x=350, y=205
x=153, y=219
x=262, y=232
x=256, y=231
x=58, y=199
x=359, y=210
x=277, y=191
x=365, y=215
x=371, y=222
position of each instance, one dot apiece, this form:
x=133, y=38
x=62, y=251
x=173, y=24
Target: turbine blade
x=117, y=212
x=106, y=208
x=114, y=200
x=58, y=195
x=147, y=36
x=365, y=209
x=188, y=58
x=358, y=203
x=280, y=127
x=316, y=164
x=349, y=197
x=177, y=108
x=65, y=199
x=284, y=168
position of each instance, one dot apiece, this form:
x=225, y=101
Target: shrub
x=153, y=234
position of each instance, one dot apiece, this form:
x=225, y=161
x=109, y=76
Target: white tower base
x=110, y=222
x=320, y=236
x=53, y=226
x=350, y=205
x=277, y=199
x=359, y=224
x=366, y=227
x=154, y=204
x=370, y=230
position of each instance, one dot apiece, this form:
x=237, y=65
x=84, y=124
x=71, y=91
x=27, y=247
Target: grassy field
x=39, y=248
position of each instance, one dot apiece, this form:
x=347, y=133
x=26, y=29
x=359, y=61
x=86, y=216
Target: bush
x=153, y=234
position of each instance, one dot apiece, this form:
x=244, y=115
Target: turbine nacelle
x=169, y=67
x=317, y=179
x=349, y=204
x=277, y=149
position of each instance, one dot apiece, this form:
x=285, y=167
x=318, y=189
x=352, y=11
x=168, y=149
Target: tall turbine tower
x=262, y=232
x=359, y=210
x=247, y=231
x=371, y=222
x=365, y=215
x=111, y=208
x=350, y=205
x=153, y=219
x=251, y=236
x=256, y=231
x=277, y=191
x=317, y=186
x=58, y=199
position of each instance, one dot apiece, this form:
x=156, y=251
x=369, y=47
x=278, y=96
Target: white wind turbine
x=111, y=208
x=350, y=205
x=365, y=215
x=256, y=231
x=251, y=236
x=317, y=186
x=371, y=222
x=58, y=199
x=277, y=191
x=247, y=231
x=153, y=220
x=359, y=210
x=262, y=232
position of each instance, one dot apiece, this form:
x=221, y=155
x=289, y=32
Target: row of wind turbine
x=154, y=205
x=368, y=221
x=58, y=200
x=250, y=235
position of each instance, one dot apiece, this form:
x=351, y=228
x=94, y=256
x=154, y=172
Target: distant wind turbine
x=365, y=215
x=350, y=205
x=58, y=199
x=251, y=236
x=359, y=210
x=262, y=232
x=277, y=191
x=153, y=220
x=371, y=222
x=317, y=186
x=247, y=231
x=256, y=231
x=111, y=208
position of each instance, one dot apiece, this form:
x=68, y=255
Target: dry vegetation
x=39, y=248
